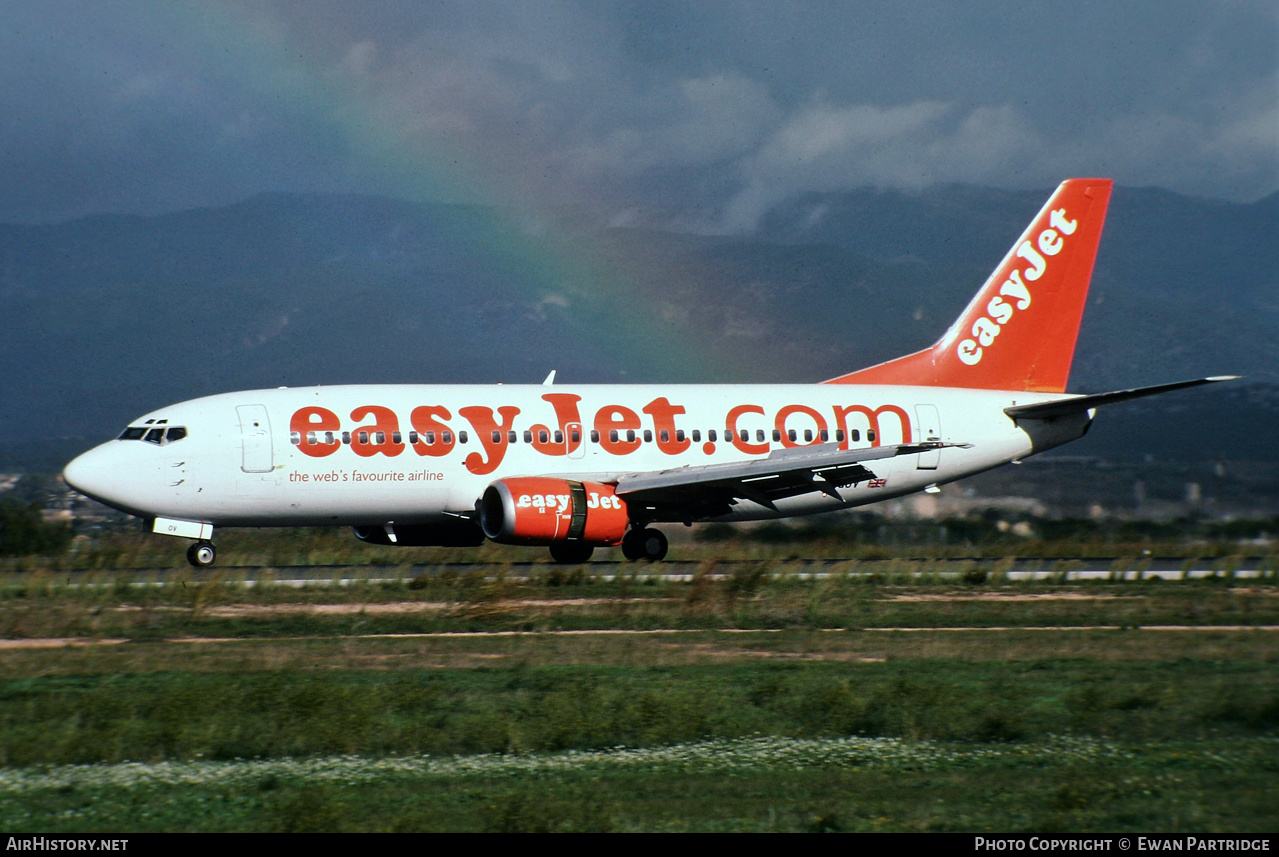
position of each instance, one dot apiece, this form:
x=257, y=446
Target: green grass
x=521, y=709
x=749, y=596
x=763, y=702
x=755, y=784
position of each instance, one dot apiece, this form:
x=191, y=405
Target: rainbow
x=389, y=145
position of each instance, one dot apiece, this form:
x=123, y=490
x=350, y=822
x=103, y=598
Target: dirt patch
x=58, y=643
x=1008, y=596
x=241, y=611
x=710, y=650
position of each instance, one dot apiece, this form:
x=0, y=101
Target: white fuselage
x=378, y=454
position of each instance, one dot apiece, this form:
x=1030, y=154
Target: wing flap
x=712, y=489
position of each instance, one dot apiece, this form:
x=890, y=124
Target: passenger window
x=575, y=436
x=447, y=437
x=379, y=438
x=759, y=435
x=346, y=437
x=363, y=436
x=697, y=436
x=825, y=436
x=790, y=435
x=328, y=437
x=710, y=435
x=856, y=435
x=295, y=438
x=648, y=436
x=413, y=437
x=839, y=435
x=870, y=435
x=395, y=437
x=528, y=436
x=612, y=435
x=461, y=437
x=559, y=437
x=310, y=438
x=630, y=435
x=542, y=437
x=665, y=436
x=497, y=436
x=808, y=436
x=430, y=438
x=679, y=435
x=595, y=436
x=512, y=437
x=777, y=435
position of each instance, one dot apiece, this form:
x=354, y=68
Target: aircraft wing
x=712, y=489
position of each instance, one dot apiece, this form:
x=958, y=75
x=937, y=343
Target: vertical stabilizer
x=1019, y=332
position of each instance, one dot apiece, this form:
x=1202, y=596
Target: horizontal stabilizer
x=1079, y=404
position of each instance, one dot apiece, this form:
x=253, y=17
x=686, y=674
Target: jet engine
x=537, y=510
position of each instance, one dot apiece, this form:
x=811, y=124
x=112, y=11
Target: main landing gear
x=571, y=553
x=202, y=554
x=646, y=543
x=638, y=543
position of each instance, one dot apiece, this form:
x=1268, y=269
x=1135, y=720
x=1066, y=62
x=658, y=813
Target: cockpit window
x=158, y=434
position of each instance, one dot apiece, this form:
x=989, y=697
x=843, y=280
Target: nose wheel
x=202, y=554
x=646, y=543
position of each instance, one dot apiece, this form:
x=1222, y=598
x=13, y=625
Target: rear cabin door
x=928, y=428
x=255, y=437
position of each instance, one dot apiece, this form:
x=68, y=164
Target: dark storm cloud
x=704, y=113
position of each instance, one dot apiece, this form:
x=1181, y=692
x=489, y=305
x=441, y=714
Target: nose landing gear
x=202, y=554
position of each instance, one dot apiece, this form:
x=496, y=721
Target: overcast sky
x=705, y=113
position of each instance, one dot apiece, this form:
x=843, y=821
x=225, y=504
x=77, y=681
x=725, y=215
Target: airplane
x=576, y=467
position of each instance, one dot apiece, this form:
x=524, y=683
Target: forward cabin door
x=928, y=428
x=255, y=437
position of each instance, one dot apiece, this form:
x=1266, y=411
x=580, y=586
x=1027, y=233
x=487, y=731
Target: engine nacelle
x=538, y=510
x=461, y=534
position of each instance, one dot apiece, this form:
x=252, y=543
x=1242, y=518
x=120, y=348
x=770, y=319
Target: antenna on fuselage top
x=550, y=379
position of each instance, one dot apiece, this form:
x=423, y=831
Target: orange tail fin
x=1019, y=331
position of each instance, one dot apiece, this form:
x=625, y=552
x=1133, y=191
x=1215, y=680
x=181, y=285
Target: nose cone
x=97, y=474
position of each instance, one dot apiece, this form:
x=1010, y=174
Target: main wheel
x=652, y=544
x=571, y=553
x=202, y=554
x=632, y=544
